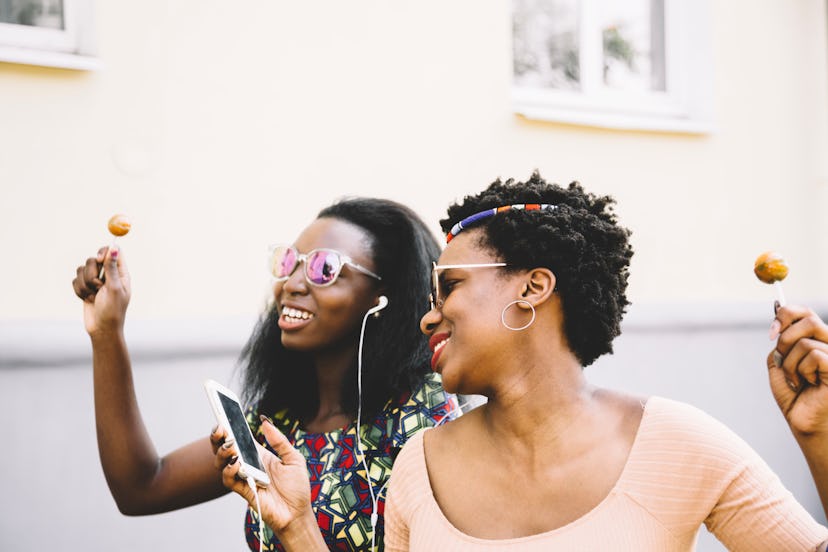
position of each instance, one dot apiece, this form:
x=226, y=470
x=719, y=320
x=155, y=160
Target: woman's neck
x=331, y=373
x=538, y=403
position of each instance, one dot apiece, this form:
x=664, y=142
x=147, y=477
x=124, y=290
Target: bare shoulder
x=453, y=462
x=627, y=410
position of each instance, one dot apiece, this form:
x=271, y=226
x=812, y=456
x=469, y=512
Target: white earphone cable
x=252, y=484
x=374, y=499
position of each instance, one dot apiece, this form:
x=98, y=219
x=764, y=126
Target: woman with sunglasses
x=529, y=290
x=346, y=389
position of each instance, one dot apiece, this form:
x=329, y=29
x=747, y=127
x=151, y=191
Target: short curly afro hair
x=580, y=241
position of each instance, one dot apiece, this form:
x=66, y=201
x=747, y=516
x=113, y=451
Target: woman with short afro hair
x=580, y=241
x=530, y=289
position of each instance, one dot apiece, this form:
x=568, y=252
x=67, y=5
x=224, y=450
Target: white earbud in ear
x=382, y=302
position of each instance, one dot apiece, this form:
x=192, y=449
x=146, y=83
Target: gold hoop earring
x=515, y=302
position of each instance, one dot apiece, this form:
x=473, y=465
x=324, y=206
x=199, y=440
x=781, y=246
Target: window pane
x=546, y=44
x=34, y=13
x=633, y=44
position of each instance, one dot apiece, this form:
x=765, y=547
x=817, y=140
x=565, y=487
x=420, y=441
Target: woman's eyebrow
x=441, y=273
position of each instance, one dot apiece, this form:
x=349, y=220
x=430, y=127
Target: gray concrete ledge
x=39, y=343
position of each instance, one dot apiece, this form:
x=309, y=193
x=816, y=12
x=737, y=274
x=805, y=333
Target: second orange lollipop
x=771, y=268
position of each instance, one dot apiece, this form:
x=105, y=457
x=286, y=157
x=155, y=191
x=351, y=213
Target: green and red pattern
x=339, y=488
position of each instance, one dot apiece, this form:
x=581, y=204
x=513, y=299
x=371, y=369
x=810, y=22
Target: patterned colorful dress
x=339, y=488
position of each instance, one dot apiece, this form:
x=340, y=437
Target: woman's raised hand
x=798, y=369
x=104, y=301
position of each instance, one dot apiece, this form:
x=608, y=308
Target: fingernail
x=791, y=384
x=114, y=254
x=227, y=444
x=232, y=460
x=214, y=430
x=776, y=306
x=777, y=359
x=774, y=329
x=264, y=419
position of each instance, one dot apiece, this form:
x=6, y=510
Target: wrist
x=812, y=444
x=810, y=438
x=302, y=533
x=105, y=335
x=814, y=428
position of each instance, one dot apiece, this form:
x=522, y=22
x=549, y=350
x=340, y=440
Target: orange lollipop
x=771, y=268
x=118, y=225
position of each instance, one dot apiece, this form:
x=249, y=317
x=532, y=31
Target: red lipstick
x=435, y=340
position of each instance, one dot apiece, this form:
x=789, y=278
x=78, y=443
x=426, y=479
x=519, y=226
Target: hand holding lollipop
x=118, y=226
x=798, y=371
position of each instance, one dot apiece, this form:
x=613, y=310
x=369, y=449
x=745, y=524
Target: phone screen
x=241, y=431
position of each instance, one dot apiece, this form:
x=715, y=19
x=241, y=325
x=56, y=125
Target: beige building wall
x=222, y=127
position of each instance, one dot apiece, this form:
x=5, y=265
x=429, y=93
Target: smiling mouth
x=437, y=348
x=292, y=317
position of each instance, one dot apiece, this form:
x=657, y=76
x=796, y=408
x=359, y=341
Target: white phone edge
x=212, y=388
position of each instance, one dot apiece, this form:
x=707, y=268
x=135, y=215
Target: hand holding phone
x=229, y=413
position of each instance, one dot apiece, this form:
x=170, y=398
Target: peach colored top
x=684, y=469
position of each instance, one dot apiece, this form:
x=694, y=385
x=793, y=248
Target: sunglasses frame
x=302, y=258
x=434, y=297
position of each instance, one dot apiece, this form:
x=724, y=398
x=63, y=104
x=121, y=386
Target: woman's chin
x=450, y=384
x=293, y=342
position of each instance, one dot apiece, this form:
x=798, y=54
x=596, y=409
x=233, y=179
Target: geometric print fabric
x=339, y=489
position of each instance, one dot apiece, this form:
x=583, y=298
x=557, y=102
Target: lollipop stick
x=111, y=247
x=780, y=295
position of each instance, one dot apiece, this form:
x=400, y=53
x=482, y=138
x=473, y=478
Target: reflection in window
x=34, y=13
x=585, y=45
x=546, y=44
x=636, y=64
x=632, y=33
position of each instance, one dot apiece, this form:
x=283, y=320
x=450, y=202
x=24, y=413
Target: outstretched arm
x=798, y=370
x=141, y=482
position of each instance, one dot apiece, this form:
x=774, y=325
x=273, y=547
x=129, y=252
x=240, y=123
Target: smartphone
x=228, y=411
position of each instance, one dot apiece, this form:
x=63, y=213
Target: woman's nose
x=296, y=282
x=430, y=320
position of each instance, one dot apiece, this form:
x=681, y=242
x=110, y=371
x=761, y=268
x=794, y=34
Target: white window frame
x=685, y=106
x=72, y=47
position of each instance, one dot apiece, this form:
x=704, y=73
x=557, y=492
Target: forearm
x=140, y=481
x=128, y=457
x=815, y=448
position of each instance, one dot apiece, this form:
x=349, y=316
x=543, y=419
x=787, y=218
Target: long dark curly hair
x=580, y=241
x=395, y=352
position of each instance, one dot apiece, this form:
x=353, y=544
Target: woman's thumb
x=278, y=442
x=111, y=269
